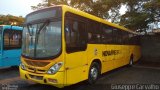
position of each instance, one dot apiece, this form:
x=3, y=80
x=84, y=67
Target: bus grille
x=36, y=77
x=36, y=70
x=37, y=64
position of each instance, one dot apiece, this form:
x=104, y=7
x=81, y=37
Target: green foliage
x=9, y=19
x=153, y=8
x=98, y=8
x=139, y=13
x=135, y=18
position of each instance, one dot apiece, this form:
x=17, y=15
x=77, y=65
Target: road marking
x=157, y=68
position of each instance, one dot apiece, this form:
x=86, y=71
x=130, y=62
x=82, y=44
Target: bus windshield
x=42, y=40
x=42, y=34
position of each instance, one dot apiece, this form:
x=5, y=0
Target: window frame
x=10, y=46
x=77, y=18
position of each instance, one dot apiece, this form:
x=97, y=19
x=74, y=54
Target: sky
x=23, y=7
x=123, y=9
x=17, y=7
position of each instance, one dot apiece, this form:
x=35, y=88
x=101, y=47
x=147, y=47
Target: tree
x=153, y=9
x=10, y=19
x=139, y=13
x=105, y=9
x=136, y=18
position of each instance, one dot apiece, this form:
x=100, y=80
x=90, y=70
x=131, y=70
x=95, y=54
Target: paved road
x=136, y=75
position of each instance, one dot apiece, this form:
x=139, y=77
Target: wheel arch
x=132, y=56
x=99, y=62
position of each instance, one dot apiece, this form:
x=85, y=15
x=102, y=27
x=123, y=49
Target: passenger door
x=11, y=47
x=76, y=58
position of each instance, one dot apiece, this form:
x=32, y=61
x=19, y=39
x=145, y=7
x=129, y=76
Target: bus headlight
x=55, y=68
x=23, y=66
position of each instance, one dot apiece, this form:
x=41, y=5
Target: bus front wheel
x=94, y=72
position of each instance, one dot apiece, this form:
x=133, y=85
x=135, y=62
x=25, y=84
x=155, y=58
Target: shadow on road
x=148, y=63
x=123, y=75
x=8, y=69
x=79, y=86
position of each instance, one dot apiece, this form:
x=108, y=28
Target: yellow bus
x=62, y=46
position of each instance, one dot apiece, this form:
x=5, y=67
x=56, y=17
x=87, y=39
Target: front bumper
x=56, y=80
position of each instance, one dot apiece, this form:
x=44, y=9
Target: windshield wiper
x=37, y=35
x=28, y=28
x=43, y=26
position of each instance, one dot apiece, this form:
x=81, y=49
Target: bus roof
x=87, y=15
x=13, y=27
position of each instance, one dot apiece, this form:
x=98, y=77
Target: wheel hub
x=94, y=73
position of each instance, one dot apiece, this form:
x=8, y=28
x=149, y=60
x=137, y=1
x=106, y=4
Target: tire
x=94, y=73
x=131, y=62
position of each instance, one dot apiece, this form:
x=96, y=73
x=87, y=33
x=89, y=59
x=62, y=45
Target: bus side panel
x=0, y=61
x=132, y=49
x=119, y=55
x=11, y=57
x=136, y=53
x=128, y=50
x=107, y=66
x=127, y=55
x=76, y=67
x=108, y=62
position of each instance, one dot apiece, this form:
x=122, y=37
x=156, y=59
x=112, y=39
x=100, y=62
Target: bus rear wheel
x=94, y=73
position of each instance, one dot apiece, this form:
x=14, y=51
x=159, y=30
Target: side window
x=138, y=40
x=94, y=32
x=131, y=36
x=117, y=36
x=135, y=40
x=71, y=33
x=106, y=34
x=75, y=35
x=12, y=39
x=125, y=37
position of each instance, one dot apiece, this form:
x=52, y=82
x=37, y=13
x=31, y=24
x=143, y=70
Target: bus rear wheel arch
x=131, y=61
x=94, y=71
